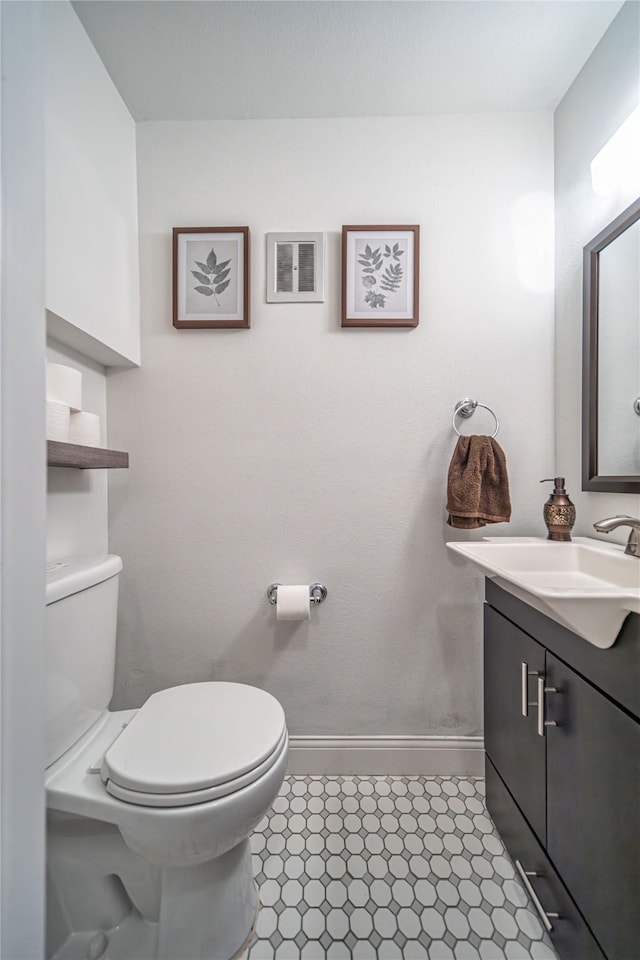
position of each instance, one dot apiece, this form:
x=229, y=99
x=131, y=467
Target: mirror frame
x=591, y=480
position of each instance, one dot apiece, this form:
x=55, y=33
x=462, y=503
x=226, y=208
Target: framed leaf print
x=380, y=276
x=211, y=277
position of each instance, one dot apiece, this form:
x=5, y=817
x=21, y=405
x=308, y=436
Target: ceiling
x=229, y=59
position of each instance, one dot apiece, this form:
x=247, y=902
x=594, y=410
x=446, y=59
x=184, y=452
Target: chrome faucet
x=612, y=523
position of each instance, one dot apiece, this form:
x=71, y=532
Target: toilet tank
x=80, y=646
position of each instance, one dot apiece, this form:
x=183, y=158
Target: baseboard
x=393, y=756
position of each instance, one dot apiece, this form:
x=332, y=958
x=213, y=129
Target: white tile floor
x=388, y=867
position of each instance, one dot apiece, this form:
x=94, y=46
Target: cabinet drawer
x=571, y=936
x=511, y=739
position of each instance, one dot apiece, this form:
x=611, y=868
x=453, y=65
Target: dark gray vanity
x=562, y=737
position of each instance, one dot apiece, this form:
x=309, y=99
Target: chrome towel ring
x=466, y=408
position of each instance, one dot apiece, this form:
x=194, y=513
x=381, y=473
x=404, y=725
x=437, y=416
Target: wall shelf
x=84, y=458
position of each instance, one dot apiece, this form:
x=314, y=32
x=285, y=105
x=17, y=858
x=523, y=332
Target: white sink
x=586, y=585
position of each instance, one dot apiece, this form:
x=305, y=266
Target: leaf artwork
x=394, y=251
x=392, y=277
x=375, y=299
x=371, y=262
x=213, y=277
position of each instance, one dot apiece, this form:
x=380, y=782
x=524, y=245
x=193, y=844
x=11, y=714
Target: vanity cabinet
x=562, y=737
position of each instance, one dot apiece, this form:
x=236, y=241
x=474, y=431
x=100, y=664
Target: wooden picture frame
x=211, y=277
x=380, y=276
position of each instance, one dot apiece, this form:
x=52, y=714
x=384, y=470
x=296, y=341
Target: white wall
x=92, y=282
x=22, y=491
x=77, y=499
x=299, y=451
x=603, y=95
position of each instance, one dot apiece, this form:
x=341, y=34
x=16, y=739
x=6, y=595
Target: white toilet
x=149, y=810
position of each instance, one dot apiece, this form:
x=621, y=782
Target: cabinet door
x=593, y=804
x=511, y=739
x=570, y=934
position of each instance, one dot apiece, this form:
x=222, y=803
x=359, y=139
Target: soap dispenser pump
x=559, y=512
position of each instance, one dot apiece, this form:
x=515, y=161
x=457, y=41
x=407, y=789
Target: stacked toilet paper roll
x=84, y=428
x=293, y=602
x=66, y=420
x=64, y=385
x=58, y=416
x=64, y=394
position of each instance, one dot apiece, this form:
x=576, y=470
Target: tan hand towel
x=477, y=485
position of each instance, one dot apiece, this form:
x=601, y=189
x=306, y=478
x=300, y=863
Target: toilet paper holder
x=317, y=593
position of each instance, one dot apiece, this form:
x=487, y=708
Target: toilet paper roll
x=84, y=428
x=64, y=385
x=293, y=602
x=57, y=421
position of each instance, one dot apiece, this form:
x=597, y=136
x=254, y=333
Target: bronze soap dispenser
x=559, y=512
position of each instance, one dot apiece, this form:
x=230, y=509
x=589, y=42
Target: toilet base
x=134, y=937
x=208, y=910
x=105, y=902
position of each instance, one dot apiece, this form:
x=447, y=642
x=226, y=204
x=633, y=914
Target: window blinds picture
x=295, y=267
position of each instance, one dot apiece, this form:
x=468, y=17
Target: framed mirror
x=611, y=357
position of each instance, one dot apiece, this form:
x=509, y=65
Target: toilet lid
x=195, y=736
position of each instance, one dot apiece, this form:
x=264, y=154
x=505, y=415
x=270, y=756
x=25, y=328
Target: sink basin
x=586, y=585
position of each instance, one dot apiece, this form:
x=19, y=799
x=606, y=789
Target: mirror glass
x=611, y=387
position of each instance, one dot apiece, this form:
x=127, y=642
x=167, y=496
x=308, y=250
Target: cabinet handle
x=525, y=674
x=542, y=723
x=544, y=915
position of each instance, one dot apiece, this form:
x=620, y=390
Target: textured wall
x=299, y=451
x=22, y=484
x=602, y=96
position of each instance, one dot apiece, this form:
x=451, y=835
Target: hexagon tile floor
x=388, y=867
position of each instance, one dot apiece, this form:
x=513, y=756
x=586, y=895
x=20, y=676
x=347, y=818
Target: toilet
x=149, y=811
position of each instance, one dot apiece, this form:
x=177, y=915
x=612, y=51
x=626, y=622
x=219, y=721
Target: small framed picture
x=211, y=277
x=380, y=276
x=295, y=267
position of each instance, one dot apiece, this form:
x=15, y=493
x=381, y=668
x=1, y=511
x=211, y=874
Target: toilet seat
x=195, y=743
x=197, y=796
